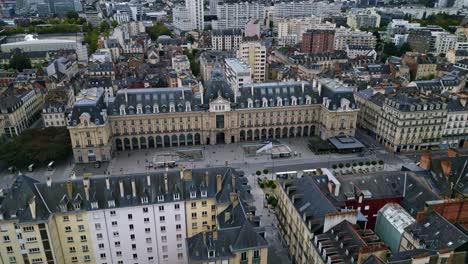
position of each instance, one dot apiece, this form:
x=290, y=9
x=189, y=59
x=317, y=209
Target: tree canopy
x=20, y=61
x=194, y=64
x=37, y=146
x=157, y=30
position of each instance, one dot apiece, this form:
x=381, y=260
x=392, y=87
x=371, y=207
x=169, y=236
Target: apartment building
x=196, y=11
x=226, y=40
x=409, y=123
x=283, y=10
x=456, y=128
x=235, y=15
x=254, y=53
x=318, y=41
x=369, y=104
x=367, y=18
x=344, y=36
x=296, y=27
x=180, y=63
x=162, y=117
x=143, y=218
x=237, y=73
x=56, y=106
x=181, y=18
x=20, y=108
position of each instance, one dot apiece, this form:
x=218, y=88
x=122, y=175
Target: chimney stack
x=233, y=183
x=32, y=207
x=181, y=172
x=148, y=180
x=86, y=185
x=121, y=186
x=73, y=175
x=49, y=181
x=215, y=234
x=446, y=168
x=133, y=188
x=69, y=189
x=206, y=178
x=452, y=153
x=219, y=183
x=425, y=160
x=107, y=183
x=250, y=216
x=166, y=185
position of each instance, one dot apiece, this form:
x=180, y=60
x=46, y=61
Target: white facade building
x=254, y=54
x=196, y=12
x=227, y=39
x=180, y=63
x=237, y=73
x=303, y=9
x=444, y=42
x=181, y=18
x=152, y=233
x=237, y=15
x=344, y=36
x=294, y=28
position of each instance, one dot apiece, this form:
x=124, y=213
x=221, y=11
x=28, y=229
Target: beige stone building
x=370, y=104
x=19, y=109
x=163, y=117
x=254, y=53
x=407, y=123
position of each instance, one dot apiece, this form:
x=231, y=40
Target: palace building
x=170, y=117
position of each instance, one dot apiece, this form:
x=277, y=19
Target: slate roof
x=406, y=103
x=90, y=101
x=458, y=174
x=436, y=233
x=336, y=93
x=217, y=85
x=388, y=184
x=15, y=203
x=224, y=32
x=373, y=260
x=411, y=254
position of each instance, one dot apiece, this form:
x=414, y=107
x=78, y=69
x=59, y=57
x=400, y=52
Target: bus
x=286, y=175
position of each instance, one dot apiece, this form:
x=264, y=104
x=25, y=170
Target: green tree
x=72, y=15
x=37, y=146
x=20, y=61
x=258, y=173
x=105, y=28
x=265, y=171
x=115, y=23
x=194, y=64
x=157, y=30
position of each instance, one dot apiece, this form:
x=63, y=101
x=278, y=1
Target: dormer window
x=176, y=196
x=188, y=107
x=308, y=99
x=193, y=194
x=77, y=206
x=94, y=205
x=264, y=102
x=155, y=108
x=171, y=108
x=85, y=123
x=249, y=103
x=203, y=193
x=63, y=207
x=160, y=198
x=139, y=109
x=293, y=100
x=111, y=203
x=211, y=253
x=279, y=101
x=122, y=110
x=144, y=199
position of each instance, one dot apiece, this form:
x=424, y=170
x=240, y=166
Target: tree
x=105, y=28
x=37, y=146
x=265, y=171
x=72, y=15
x=258, y=173
x=20, y=61
x=157, y=30
x=115, y=23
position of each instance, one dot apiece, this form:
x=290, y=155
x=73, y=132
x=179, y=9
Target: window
x=28, y=228
x=176, y=206
x=146, y=220
x=130, y=216
x=69, y=239
x=112, y=213
x=164, y=238
x=9, y=249
x=87, y=258
x=81, y=228
x=179, y=246
x=101, y=246
x=179, y=236
x=164, y=248
x=135, y=256
x=194, y=215
x=119, y=253
x=194, y=205
x=162, y=218
x=97, y=226
x=74, y=259
x=6, y=239
x=256, y=254
x=148, y=240
x=132, y=237
x=102, y=255
x=145, y=209
x=116, y=234
x=133, y=246
x=161, y=208
x=85, y=248
x=163, y=229
x=149, y=249
x=30, y=239
x=72, y=249
x=203, y=203
x=204, y=213
x=83, y=238
x=130, y=227
x=114, y=223
x=180, y=255
x=66, y=218
x=243, y=256
x=194, y=225
x=177, y=217
x=67, y=229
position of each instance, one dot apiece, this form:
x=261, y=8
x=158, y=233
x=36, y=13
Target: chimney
x=188, y=175
x=126, y=95
x=227, y=216
x=331, y=187
x=181, y=172
x=148, y=180
x=107, y=183
x=215, y=234
x=49, y=181
x=452, y=153
x=226, y=163
x=122, y=192
x=69, y=189
x=250, y=216
x=233, y=198
x=86, y=185
x=425, y=160
x=166, y=185
x=219, y=182
x=302, y=87
x=206, y=178
x=73, y=175
x=446, y=168
x=32, y=207
x=133, y=188
x=233, y=183
x=463, y=101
